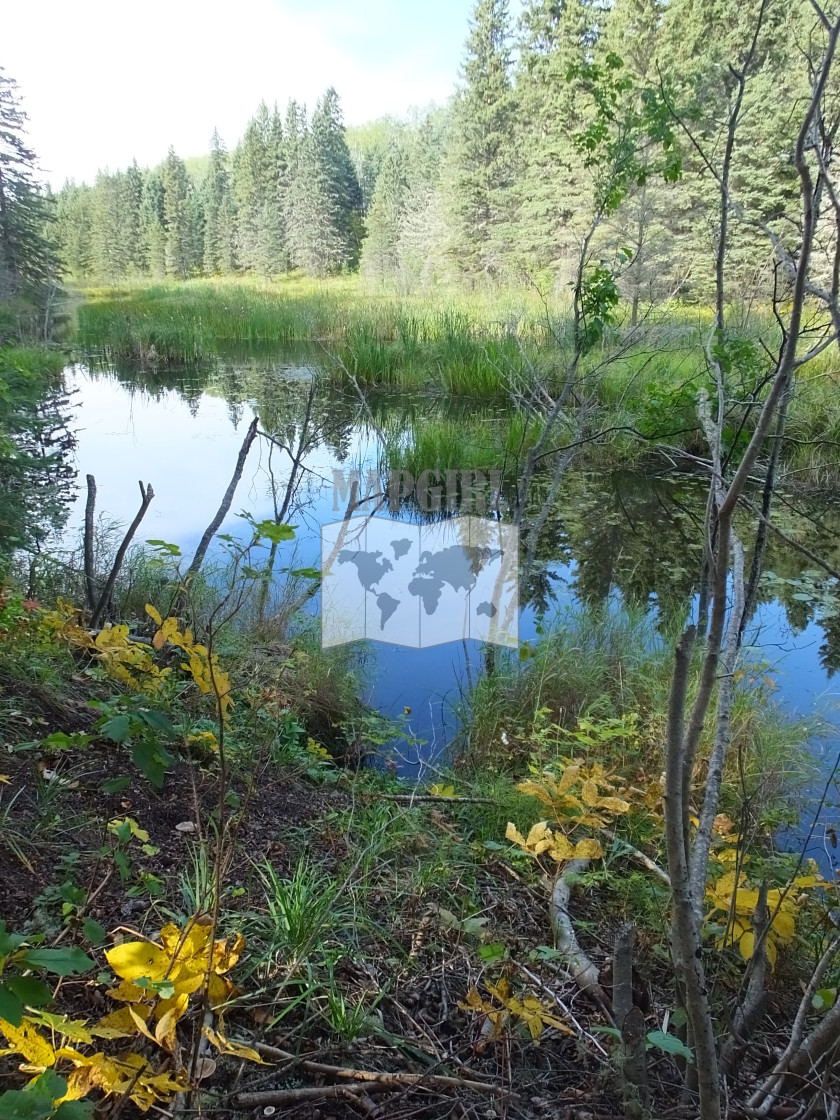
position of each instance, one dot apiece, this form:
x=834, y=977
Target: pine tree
x=178, y=218
x=28, y=265
x=482, y=144
x=218, y=254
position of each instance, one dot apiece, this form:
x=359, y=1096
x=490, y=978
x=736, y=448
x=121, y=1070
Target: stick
x=146, y=494
x=227, y=500
x=411, y=798
x=584, y=972
x=371, y=1080
x=90, y=563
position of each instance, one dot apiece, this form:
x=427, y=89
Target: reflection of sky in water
x=188, y=453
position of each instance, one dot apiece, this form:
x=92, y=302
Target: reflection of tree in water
x=634, y=534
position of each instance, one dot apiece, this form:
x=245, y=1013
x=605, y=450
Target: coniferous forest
x=493, y=188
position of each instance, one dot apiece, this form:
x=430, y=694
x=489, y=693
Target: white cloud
x=104, y=82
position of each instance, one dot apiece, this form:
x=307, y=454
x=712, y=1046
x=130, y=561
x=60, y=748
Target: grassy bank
x=188, y=781
x=479, y=346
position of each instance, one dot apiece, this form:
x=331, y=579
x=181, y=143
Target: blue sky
x=104, y=81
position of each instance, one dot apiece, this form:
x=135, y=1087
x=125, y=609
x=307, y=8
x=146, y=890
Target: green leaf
x=823, y=999
x=117, y=728
x=157, y=721
x=60, y=962
x=669, y=1044
x=8, y=941
x=115, y=785
x=74, y=1110
x=494, y=951
x=17, y=1104
x=164, y=988
x=93, y=931
x=152, y=760
x=30, y=990
x=11, y=1009
x=274, y=532
x=50, y=1084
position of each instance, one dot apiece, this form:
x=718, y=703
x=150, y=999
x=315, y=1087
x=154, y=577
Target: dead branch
x=90, y=562
x=146, y=495
x=371, y=1080
x=583, y=971
x=224, y=507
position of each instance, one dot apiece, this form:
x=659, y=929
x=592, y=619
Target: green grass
x=476, y=346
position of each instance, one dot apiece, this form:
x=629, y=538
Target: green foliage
x=35, y=477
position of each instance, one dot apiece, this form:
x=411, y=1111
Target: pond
x=612, y=538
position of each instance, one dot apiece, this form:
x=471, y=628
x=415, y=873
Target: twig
x=90, y=562
x=369, y=1078
x=146, y=495
x=227, y=501
x=584, y=972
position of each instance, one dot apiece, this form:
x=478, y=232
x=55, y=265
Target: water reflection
x=612, y=536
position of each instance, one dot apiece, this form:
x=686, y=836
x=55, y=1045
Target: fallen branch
x=583, y=971
x=370, y=1080
x=146, y=495
x=762, y=1099
x=411, y=798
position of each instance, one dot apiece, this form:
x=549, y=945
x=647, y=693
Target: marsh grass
x=606, y=664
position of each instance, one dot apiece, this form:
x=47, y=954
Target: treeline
x=288, y=196
x=496, y=187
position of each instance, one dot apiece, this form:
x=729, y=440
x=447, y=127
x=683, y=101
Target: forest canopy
x=492, y=187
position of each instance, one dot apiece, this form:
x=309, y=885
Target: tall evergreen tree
x=553, y=188
x=154, y=227
x=74, y=229
x=325, y=200
x=218, y=252
x=28, y=266
x=180, y=250
x=482, y=144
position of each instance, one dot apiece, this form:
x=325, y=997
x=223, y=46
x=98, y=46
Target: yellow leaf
x=5, y=779
x=588, y=849
x=134, y=959
x=771, y=951
x=784, y=926
x=165, y=1030
x=589, y=793
x=561, y=849
x=747, y=944
x=570, y=776
x=121, y=1023
x=153, y=614
x=228, y=1046
x=513, y=834
x=140, y=1025
x=29, y=1043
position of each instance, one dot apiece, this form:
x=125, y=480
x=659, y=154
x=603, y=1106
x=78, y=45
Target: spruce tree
x=217, y=255
x=178, y=218
x=482, y=144
x=325, y=200
x=380, y=254
x=28, y=265
x=553, y=189
x=153, y=221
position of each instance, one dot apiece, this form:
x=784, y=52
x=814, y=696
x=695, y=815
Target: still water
x=614, y=537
